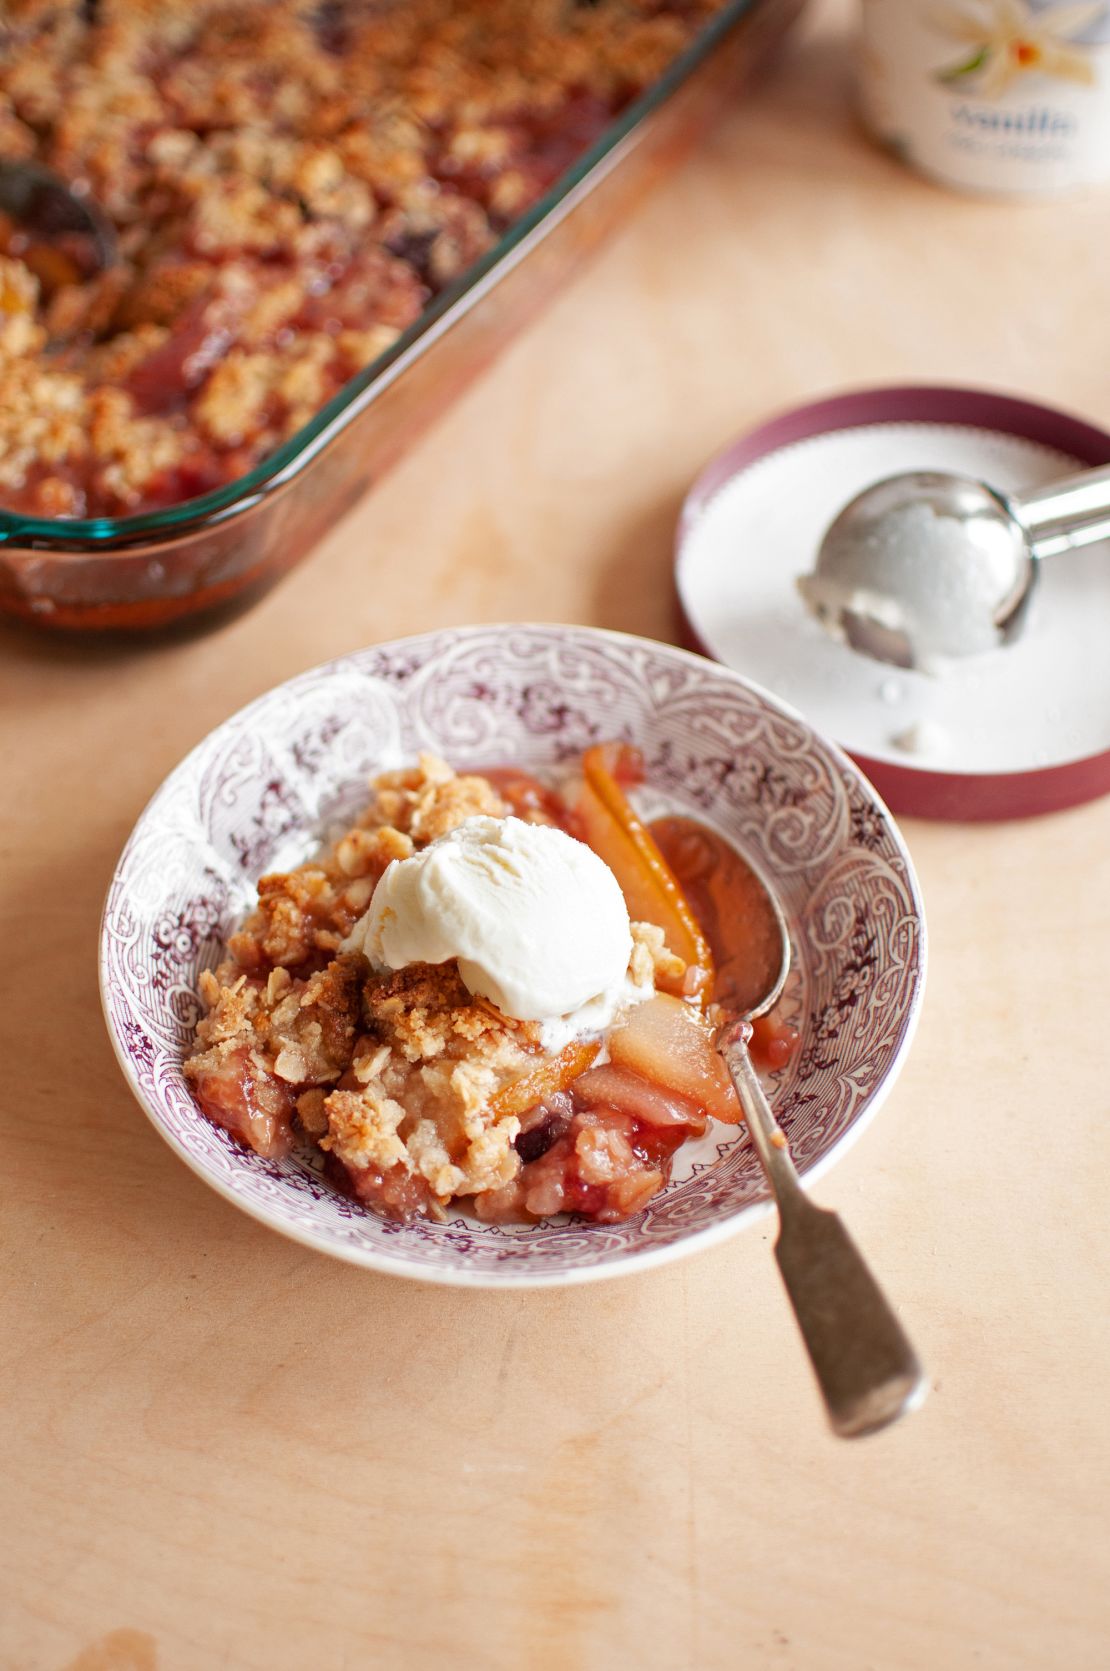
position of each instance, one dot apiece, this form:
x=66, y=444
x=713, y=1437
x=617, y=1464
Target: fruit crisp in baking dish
x=484, y=992
x=291, y=183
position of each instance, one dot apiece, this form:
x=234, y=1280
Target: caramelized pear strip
x=649, y=885
x=552, y=1075
x=671, y=1045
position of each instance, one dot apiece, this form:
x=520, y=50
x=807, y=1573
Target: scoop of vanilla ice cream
x=537, y=921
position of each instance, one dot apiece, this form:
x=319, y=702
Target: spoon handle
x=867, y=1371
x=1068, y=513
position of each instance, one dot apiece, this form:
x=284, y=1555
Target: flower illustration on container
x=1010, y=39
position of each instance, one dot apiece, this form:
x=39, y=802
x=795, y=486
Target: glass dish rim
x=281, y=467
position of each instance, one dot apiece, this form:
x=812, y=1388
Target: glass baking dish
x=226, y=547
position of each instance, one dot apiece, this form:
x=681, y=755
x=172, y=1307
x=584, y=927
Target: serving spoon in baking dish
x=866, y=1368
x=44, y=208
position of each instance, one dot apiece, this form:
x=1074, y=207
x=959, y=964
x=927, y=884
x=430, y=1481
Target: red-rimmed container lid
x=1023, y=730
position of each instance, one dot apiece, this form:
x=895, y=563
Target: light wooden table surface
x=221, y=1450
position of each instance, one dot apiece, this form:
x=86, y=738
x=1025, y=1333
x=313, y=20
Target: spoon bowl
x=45, y=208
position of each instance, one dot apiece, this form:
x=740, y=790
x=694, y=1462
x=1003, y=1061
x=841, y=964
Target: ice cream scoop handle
x=867, y=1371
x=1067, y=513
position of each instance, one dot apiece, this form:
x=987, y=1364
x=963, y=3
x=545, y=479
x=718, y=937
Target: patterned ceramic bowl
x=261, y=790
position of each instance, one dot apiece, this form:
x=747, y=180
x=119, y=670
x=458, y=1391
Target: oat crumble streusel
x=291, y=182
x=418, y=1092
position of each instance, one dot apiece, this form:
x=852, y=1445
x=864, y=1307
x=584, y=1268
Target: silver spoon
x=927, y=566
x=40, y=201
x=866, y=1368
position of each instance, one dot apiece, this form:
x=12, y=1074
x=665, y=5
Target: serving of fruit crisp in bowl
x=420, y=957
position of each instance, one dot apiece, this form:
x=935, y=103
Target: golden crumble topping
x=291, y=183
x=415, y=1089
x=424, y=1080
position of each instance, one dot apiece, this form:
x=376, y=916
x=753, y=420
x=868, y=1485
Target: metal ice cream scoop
x=926, y=566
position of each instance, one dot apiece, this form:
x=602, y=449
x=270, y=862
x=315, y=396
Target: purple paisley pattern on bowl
x=266, y=786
